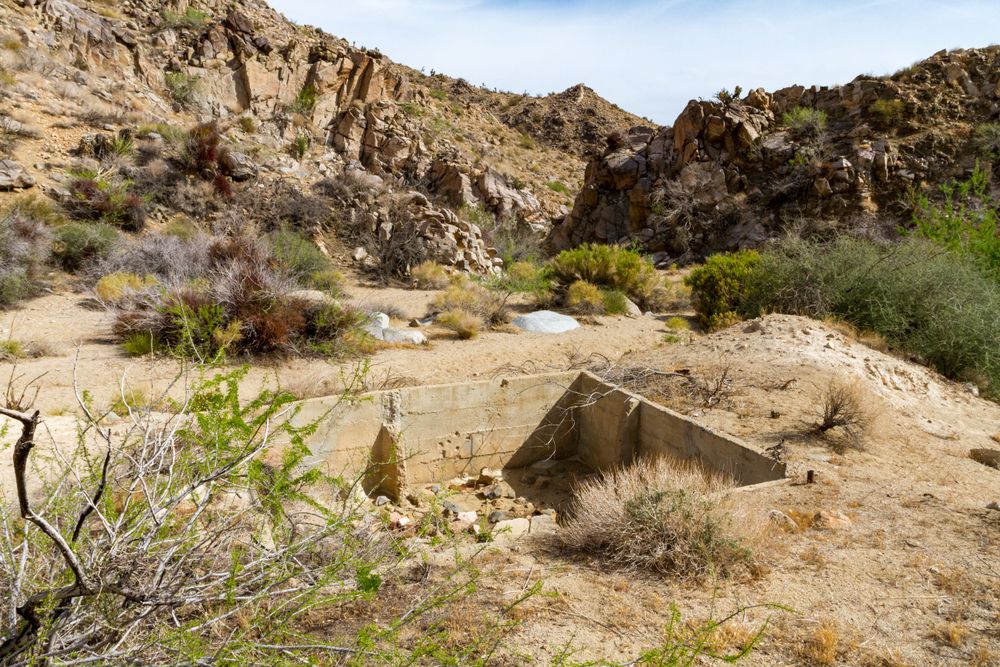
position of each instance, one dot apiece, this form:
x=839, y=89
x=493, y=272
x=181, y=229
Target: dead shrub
x=662, y=516
x=845, y=408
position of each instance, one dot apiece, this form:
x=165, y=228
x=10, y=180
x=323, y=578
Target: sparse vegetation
x=805, y=122
x=560, y=187
x=181, y=87
x=845, y=407
x=585, y=298
x=660, y=516
x=305, y=101
x=473, y=297
x=78, y=244
x=114, y=288
x=191, y=19
x=465, y=324
x=300, y=146
x=987, y=140
x=888, y=114
x=102, y=197
x=24, y=250
x=429, y=276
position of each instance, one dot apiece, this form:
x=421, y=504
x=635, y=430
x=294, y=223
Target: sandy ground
x=911, y=577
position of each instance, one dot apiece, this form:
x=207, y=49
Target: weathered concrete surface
x=419, y=435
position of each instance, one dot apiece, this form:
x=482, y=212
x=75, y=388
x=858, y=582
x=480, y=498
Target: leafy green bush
x=192, y=18
x=965, y=222
x=931, y=303
x=585, y=298
x=805, y=122
x=614, y=302
x=297, y=255
x=719, y=287
x=612, y=267
x=305, y=101
x=528, y=278
x=559, y=186
x=79, y=243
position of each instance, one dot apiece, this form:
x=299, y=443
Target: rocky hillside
x=736, y=170
x=427, y=159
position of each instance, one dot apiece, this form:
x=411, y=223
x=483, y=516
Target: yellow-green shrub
x=429, y=275
x=611, y=267
x=465, y=324
x=114, y=287
x=585, y=298
x=719, y=286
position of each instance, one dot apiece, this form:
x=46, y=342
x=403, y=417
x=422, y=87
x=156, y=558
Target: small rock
x=833, y=520
x=359, y=254
x=993, y=506
x=543, y=524
x=382, y=500
x=783, y=521
x=632, y=310
x=391, y=335
x=496, y=516
x=451, y=509
x=467, y=517
x=489, y=476
x=545, y=321
x=512, y=528
x=13, y=176
x=988, y=457
x=435, y=489
x=500, y=490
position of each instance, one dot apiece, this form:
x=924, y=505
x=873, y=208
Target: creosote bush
x=611, y=267
x=661, y=516
x=718, y=287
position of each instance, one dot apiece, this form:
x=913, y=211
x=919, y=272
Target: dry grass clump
x=822, y=645
x=429, y=275
x=952, y=633
x=465, y=324
x=115, y=287
x=24, y=248
x=845, y=408
x=472, y=297
x=662, y=516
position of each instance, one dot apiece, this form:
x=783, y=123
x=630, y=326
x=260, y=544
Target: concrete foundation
x=420, y=435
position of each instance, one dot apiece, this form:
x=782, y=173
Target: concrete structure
x=420, y=435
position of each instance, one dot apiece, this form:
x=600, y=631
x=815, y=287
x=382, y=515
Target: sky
x=651, y=57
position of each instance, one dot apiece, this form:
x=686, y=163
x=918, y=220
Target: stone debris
x=378, y=327
x=14, y=177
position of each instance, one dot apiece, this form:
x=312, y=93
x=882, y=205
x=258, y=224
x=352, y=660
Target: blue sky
x=652, y=57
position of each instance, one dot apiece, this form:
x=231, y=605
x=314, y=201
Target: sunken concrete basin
x=420, y=435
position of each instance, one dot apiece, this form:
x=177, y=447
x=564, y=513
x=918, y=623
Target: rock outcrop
x=731, y=173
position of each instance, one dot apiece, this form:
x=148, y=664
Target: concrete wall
x=419, y=435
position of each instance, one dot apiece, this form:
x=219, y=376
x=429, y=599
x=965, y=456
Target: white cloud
x=650, y=56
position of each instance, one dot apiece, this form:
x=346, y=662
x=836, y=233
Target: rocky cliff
x=737, y=170
x=297, y=105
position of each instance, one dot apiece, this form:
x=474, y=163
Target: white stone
x=546, y=321
x=512, y=528
x=410, y=336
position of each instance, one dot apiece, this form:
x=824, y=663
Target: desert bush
x=168, y=258
x=113, y=288
x=78, y=244
x=845, y=407
x=888, y=114
x=614, y=302
x=429, y=276
x=987, y=140
x=300, y=146
x=192, y=18
x=37, y=208
x=805, y=122
x=660, y=516
x=305, y=101
x=514, y=241
x=10, y=350
x=471, y=296
x=464, y=323
x=560, y=187
x=931, y=303
x=181, y=87
x=964, y=222
x=24, y=248
x=238, y=302
x=718, y=287
x=298, y=256
x=104, y=198
x=612, y=267
x=585, y=298
x=527, y=278
x=206, y=155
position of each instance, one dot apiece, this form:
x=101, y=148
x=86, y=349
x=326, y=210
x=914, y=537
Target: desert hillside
x=309, y=357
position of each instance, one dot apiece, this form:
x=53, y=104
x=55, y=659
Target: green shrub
x=300, y=146
x=965, y=222
x=192, y=18
x=305, y=101
x=615, y=302
x=181, y=87
x=805, y=122
x=930, y=303
x=718, y=287
x=79, y=243
x=99, y=197
x=888, y=114
x=438, y=94
x=115, y=287
x=297, y=255
x=612, y=267
x=987, y=140
x=247, y=124
x=560, y=187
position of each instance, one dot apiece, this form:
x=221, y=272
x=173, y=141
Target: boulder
x=14, y=177
x=546, y=321
x=239, y=165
